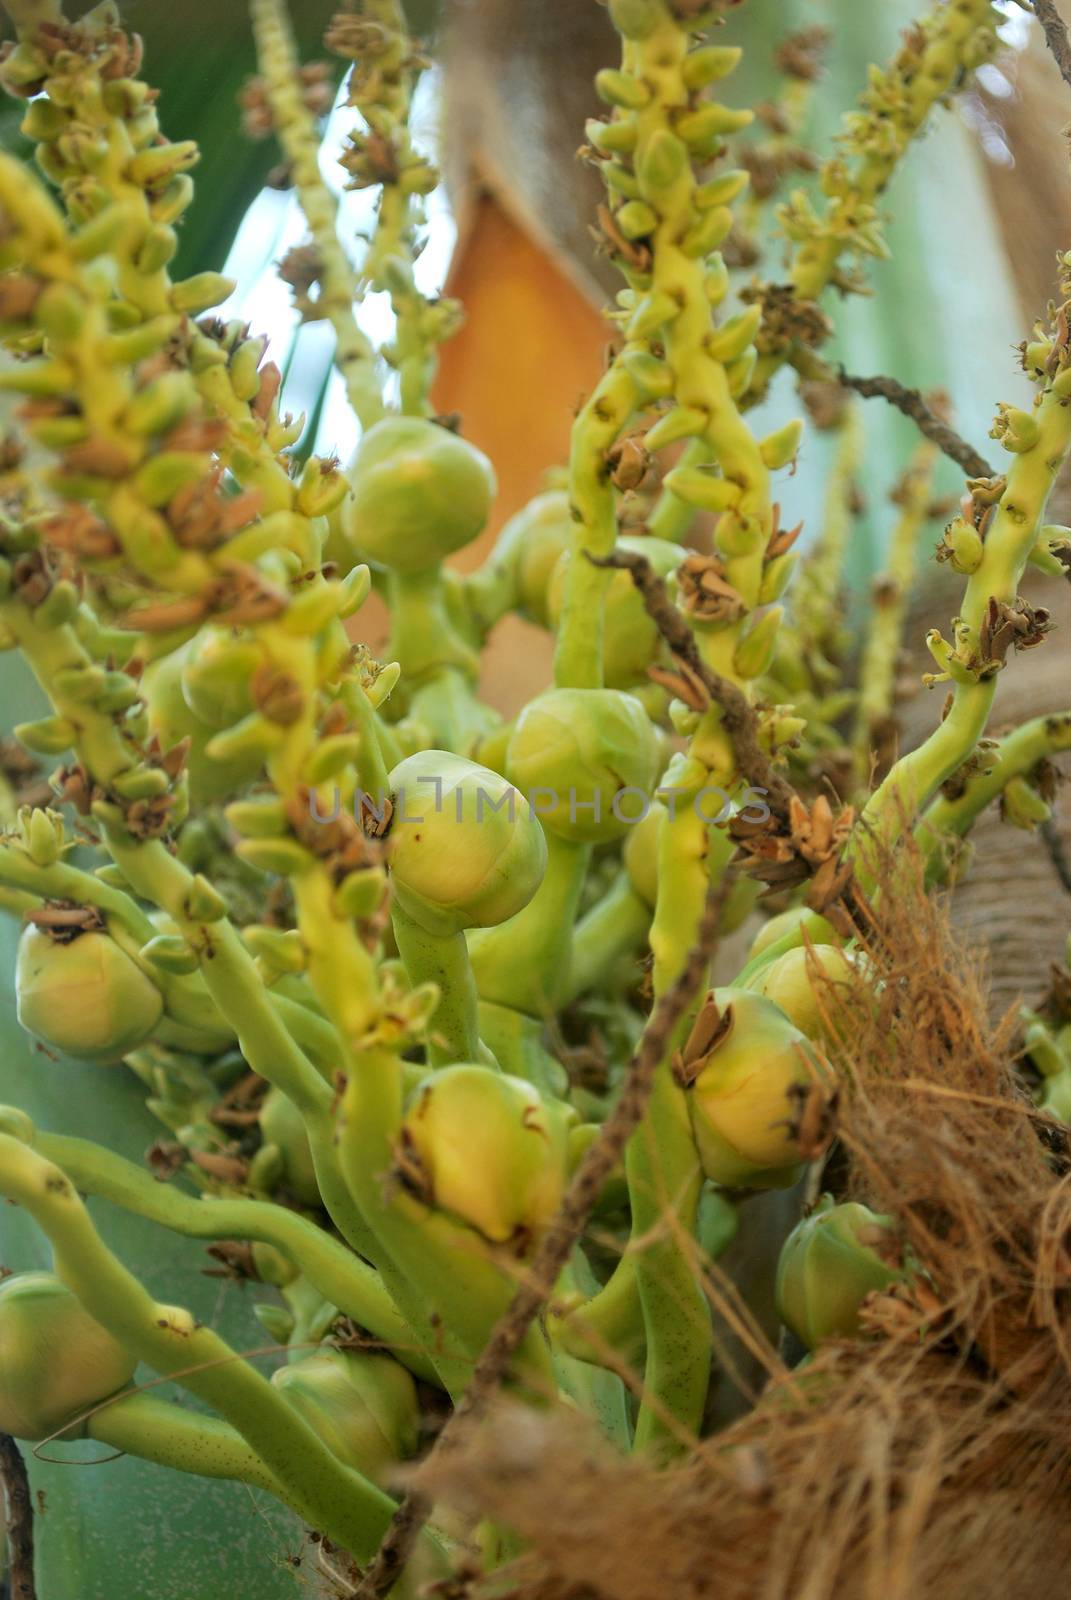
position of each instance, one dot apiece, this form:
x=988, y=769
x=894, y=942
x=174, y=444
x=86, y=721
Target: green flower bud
x=631, y=641
x=705, y=490
x=707, y=65
x=55, y=1360
x=489, y=1149
x=217, y=665
x=466, y=849
x=961, y=546
x=779, y=449
x=621, y=89
x=580, y=748
x=829, y=1263
x=282, y=1125
x=649, y=316
x=809, y=984
x=85, y=998
x=363, y=1406
x=419, y=493
x=636, y=219
x=742, y=1100
x=754, y=651
x=203, y=290
x=49, y=736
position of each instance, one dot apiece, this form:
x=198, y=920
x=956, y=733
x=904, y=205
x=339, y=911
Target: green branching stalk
x=993, y=618
x=890, y=594
x=952, y=39
x=341, y=1277
x=331, y=1496
x=386, y=68
x=1011, y=761
x=296, y=131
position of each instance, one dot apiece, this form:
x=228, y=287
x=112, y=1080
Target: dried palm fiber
x=930, y=1461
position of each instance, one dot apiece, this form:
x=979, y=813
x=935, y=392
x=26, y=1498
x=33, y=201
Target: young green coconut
x=631, y=641
x=809, y=983
x=55, y=1360
x=83, y=995
x=466, y=849
x=286, y=1146
x=419, y=492
x=575, y=753
x=829, y=1263
x=750, y=1088
x=363, y=1406
x=488, y=1148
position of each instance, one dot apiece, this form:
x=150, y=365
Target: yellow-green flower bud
x=575, y=751
x=631, y=642
x=281, y=1125
x=466, y=849
x=707, y=65
x=55, y=1360
x=86, y=997
x=363, y=1406
x=744, y=1100
x=961, y=546
x=779, y=449
x=829, y=1263
x=419, y=493
x=810, y=984
x=489, y=1149
x=530, y=545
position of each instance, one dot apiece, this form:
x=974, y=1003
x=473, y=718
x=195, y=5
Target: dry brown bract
x=930, y=1461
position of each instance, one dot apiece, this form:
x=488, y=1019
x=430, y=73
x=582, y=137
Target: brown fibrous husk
x=928, y=1460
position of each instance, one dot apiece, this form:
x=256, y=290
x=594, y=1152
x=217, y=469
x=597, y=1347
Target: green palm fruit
x=743, y=1099
x=171, y=719
x=217, y=666
x=491, y=1150
x=631, y=642
x=640, y=854
x=281, y=1125
x=419, y=493
x=530, y=546
x=55, y=1361
x=810, y=984
x=574, y=752
x=466, y=849
x=784, y=923
x=362, y=1405
x=86, y=997
x=829, y=1263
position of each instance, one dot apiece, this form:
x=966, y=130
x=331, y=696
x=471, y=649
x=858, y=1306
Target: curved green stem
x=524, y=962
x=1017, y=754
x=442, y=959
x=160, y=1431
x=615, y=925
x=331, y=1496
x=340, y=1276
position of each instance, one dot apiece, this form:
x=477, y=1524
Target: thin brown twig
x=18, y=1518
x=554, y=1248
x=740, y=719
x=929, y=424
x=1055, y=31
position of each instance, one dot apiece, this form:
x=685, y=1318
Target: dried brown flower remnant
x=706, y=593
